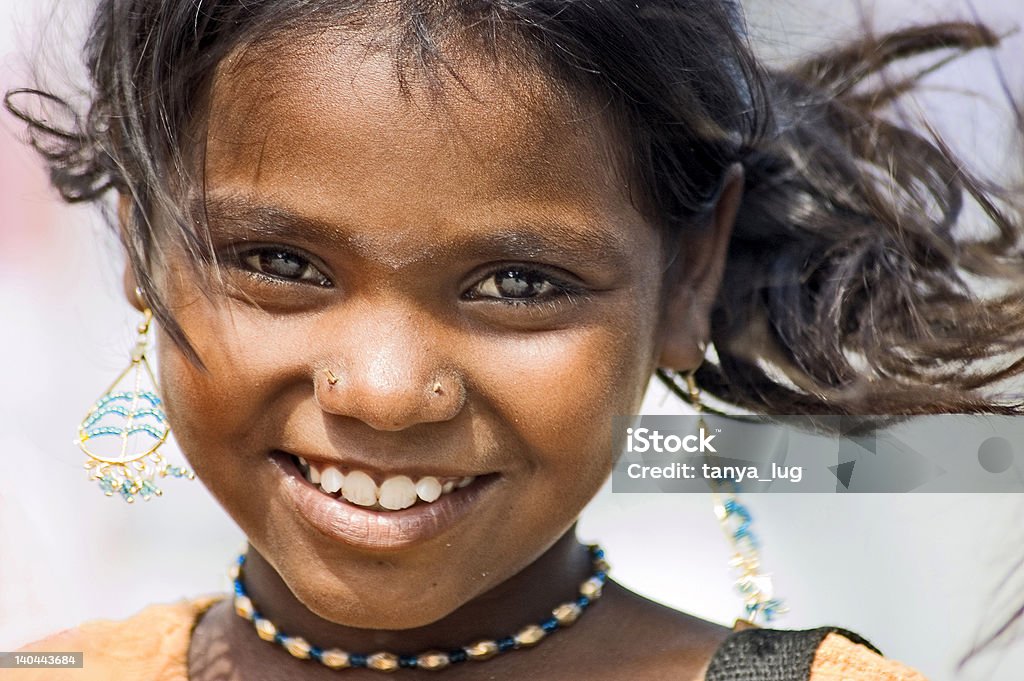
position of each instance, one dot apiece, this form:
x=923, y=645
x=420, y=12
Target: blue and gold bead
x=433, y=660
x=383, y=662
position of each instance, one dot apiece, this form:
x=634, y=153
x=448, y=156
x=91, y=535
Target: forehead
x=327, y=131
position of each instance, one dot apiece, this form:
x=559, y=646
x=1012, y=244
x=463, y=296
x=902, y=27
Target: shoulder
x=655, y=642
x=822, y=654
x=151, y=645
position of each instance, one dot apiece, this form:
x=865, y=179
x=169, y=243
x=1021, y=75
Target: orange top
x=840, y=659
x=153, y=646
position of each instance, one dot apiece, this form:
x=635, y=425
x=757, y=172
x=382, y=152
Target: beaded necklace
x=562, y=616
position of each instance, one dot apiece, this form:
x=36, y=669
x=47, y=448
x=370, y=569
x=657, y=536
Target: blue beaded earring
x=753, y=585
x=125, y=427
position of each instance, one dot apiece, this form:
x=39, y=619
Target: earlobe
x=124, y=212
x=131, y=288
x=693, y=287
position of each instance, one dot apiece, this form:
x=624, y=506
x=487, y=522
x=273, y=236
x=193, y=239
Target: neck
x=525, y=598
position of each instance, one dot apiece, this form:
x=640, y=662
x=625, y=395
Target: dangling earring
x=735, y=519
x=125, y=427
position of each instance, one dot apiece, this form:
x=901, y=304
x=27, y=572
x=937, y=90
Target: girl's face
x=486, y=244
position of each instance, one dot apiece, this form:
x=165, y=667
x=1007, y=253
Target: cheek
x=246, y=367
x=559, y=392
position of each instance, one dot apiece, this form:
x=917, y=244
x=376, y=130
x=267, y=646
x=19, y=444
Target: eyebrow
x=239, y=216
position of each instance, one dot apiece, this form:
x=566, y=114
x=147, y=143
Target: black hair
x=849, y=285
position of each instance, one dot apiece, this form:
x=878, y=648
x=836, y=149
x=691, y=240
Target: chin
x=393, y=615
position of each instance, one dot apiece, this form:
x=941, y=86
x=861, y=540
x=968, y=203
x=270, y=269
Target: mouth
x=379, y=512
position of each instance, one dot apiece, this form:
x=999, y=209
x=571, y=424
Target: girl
x=408, y=260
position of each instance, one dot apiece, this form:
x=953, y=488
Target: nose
x=387, y=369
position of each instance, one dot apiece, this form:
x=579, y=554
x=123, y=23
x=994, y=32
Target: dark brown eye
x=517, y=284
x=281, y=263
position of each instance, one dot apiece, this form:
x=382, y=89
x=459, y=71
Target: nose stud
x=333, y=380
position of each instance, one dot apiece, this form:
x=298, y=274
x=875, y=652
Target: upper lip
x=414, y=471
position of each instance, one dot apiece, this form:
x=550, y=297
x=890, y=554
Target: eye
x=517, y=285
x=281, y=263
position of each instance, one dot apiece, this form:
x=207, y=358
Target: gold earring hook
x=691, y=379
x=694, y=390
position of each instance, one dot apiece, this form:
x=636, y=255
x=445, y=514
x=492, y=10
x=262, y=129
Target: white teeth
x=360, y=489
x=397, y=493
x=428, y=489
x=331, y=480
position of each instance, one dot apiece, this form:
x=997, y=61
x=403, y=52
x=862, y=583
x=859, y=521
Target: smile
x=352, y=506
x=394, y=493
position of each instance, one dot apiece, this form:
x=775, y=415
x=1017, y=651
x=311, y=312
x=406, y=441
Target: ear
x=124, y=216
x=693, y=283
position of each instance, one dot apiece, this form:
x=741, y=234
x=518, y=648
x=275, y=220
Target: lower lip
x=365, y=528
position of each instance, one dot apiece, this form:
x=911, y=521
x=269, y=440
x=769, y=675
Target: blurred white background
x=915, y=574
